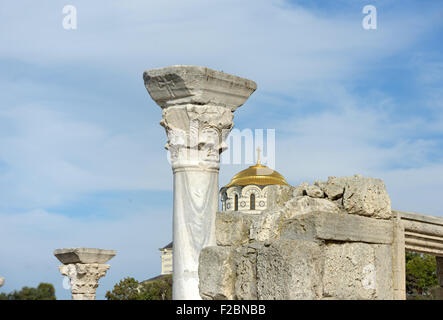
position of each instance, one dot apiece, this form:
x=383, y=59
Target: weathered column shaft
x=194, y=226
x=198, y=108
x=195, y=162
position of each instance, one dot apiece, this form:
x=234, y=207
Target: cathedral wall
x=242, y=194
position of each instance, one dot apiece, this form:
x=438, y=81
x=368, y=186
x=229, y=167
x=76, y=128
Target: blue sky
x=82, y=161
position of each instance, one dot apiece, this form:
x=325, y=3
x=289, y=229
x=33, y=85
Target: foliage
x=131, y=289
x=44, y=291
x=421, y=276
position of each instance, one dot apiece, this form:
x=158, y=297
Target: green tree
x=159, y=289
x=130, y=289
x=126, y=289
x=421, y=275
x=44, y=291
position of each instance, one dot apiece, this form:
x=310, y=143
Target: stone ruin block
x=232, y=228
x=357, y=271
x=330, y=240
x=335, y=226
x=289, y=270
x=361, y=196
x=217, y=277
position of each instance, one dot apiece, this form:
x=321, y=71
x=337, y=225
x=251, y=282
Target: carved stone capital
x=84, y=278
x=198, y=108
x=196, y=134
x=84, y=267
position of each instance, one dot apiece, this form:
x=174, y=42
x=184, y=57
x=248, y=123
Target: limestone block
x=357, y=271
x=334, y=188
x=384, y=275
x=228, y=272
x=83, y=255
x=398, y=259
x=367, y=197
x=232, y=228
x=246, y=273
x=337, y=226
x=303, y=205
x=217, y=273
x=300, y=190
x=180, y=84
x=314, y=192
x=266, y=226
x=278, y=195
x=424, y=218
x=422, y=233
x=320, y=184
x=339, y=203
x=289, y=269
x=419, y=227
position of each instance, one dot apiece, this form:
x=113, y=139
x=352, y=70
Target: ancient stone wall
x=330, y=240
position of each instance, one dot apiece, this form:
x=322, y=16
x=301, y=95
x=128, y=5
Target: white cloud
x=281, y=47
x=51, y=158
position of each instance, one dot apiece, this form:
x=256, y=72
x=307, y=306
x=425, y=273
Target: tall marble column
x=198, y=108
x=2, y=281
x=84, y=267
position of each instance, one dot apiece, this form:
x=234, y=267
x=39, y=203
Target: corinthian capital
x=198, y=108
x=84, y=278
x=84, y=267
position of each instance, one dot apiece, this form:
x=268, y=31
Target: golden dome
x=259, y=175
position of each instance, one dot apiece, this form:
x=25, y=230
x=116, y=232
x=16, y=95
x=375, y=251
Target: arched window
x=236, y=203
x=252, y=201
x=224, y=199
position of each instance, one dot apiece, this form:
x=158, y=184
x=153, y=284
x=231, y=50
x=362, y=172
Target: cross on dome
x=258, y=155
